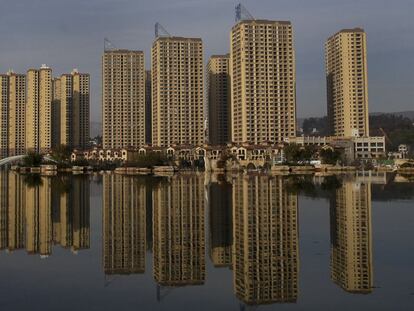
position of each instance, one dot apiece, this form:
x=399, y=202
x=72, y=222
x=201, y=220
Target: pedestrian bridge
x=12, y=159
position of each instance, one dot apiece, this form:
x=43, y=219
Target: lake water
x=206, y=242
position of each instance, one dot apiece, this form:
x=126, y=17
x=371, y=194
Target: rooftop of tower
x=174, y=38
x=348, y=30
x=262, y=21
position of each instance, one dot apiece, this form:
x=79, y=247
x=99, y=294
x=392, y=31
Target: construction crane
x=108, y=45
x=160, y=31
x=243, y=14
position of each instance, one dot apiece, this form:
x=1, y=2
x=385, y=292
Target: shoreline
x=171, y=170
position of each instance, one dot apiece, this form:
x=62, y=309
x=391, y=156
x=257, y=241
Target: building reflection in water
x=220, y=218
x=124, y=224
x=37, y=212
x=178, y=231
x=351, y=241
x=265, y=240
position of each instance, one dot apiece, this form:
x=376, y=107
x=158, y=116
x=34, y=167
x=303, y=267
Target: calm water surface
x=206, y=242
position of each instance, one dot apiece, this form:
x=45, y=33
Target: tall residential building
x=4, y=116
x=265, y=245
x=123, y=98
x=148, y=108
x=39, y=110
x=263, y=81
x=71, y=98
x=12, y=114
x=177, y=91
x=124, y=225
x=218, y=81
x=56, y=110
x=178, y=231
x=17, y=114
x=351, y=237
x=347, y=83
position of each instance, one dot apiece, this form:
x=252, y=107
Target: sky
x=70, y=34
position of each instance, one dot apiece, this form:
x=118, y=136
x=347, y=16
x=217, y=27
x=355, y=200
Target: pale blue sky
x=66, y=34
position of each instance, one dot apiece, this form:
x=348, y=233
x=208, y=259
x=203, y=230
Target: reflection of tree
x=393, y=191
x=331, y=183
x=305, y=185
x=301, y=184
x=33, y=180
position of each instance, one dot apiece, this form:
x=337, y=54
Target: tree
x=292, y=153
x=61, y=153
x=32, y=159
x=295, y=153
x=149, y=160
x=330, y=157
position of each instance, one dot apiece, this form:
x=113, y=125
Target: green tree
x=32, y=159
x=292, y=153
x=330, y=157
x=61, y=153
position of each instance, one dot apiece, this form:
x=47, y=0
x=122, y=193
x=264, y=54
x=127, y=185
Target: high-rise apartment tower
x=263, y=81
x=177, y=91
x=347, y=83
x=218, y=81
x=123, y=98
x=39, y=109
x=71, y=102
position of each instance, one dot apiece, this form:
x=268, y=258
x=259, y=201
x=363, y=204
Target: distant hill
x=399, y=127
x=405, y=114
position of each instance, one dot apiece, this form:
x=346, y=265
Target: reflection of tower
x=124, y=205
x=178, y=231
x=220, y=209
x=351, y=254
x=4, y=187
x=71, y=226
x=265, y=242
x=38, y=217
x=16, y=211
x=11, y=211
x=35, y=213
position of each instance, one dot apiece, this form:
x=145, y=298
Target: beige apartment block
x=347, y=83
x=148, y=108
x=123, y=98
x=12, y=114
x=177, y=91
x=56, y=111
x=263, y=81
x=71, y=99
x=17, y=114
x=265, y=245
x=39, y=110
x=351, y=238
x=4, y=116
x=218, y=81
